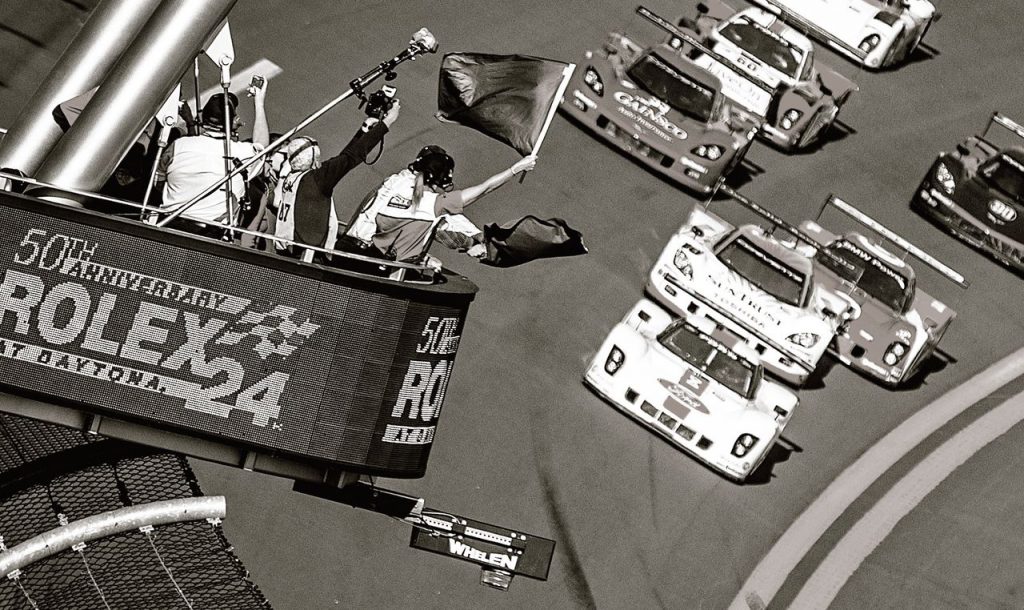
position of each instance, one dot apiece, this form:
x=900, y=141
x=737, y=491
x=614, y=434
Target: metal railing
x=397, y=269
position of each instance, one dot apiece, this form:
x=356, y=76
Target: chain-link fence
x=51, y=475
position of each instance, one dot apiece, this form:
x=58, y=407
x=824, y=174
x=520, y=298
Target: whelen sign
x=209, y=340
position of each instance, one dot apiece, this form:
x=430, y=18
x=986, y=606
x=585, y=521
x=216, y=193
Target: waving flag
x=511, y=98
x=530, y=238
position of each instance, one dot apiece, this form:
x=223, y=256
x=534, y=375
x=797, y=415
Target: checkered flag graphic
x=275, y=329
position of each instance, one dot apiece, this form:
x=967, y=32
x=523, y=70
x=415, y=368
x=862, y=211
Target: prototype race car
x=663, y=109
x=874, y=33
x=977, y=191
x=760, y=288
x=695, y=384
x=896, y=326
x=800, y=97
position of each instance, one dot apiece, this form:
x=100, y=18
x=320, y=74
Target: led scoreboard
x=203, y=339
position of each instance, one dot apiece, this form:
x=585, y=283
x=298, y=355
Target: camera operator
x=304, y=191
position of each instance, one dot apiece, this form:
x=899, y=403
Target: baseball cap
x=213, y=110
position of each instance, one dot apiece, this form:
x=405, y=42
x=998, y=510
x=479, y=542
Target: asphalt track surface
x=522, y=443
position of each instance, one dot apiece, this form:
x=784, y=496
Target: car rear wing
x=1008, y=128
x=778, y=221
x=848, y=209
x=698, y=45
x=802, y=24
x=770, y=216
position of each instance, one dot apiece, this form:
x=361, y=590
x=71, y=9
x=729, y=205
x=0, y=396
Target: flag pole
x=567, y=72
x=566, y=75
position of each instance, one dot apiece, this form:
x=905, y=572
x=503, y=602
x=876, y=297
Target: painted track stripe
x=775, y=567
x=861, y=540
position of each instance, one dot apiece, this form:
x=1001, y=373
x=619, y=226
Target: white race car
x=695, y=384
x=875, y=33
x=770, y=69
x=760, y=288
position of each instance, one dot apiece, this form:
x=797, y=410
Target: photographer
x=399, y=220
x=304, y=191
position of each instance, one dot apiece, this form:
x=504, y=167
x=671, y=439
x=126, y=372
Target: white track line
x=774, y=568
x=861, y=540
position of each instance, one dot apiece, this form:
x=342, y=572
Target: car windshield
x=711, y=357
x=1007, y=174
x=686, y=95
x=765, y=45
x=764, y=270
x=869, y=273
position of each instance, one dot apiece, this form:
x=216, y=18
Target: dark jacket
x=313, y=197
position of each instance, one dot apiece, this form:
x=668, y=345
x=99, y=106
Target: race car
x=874, y=33
x=800, y=97
x=695, y=384
x=896, y=326
x=762, y=289
x=661, y=108
x=977, y=191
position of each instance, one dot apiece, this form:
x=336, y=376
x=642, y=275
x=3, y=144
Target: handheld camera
x=379, y=102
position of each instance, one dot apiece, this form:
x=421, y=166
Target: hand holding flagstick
x=526, y=164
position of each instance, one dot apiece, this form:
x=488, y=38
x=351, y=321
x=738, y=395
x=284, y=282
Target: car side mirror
x=703, y=8
x=963, y=149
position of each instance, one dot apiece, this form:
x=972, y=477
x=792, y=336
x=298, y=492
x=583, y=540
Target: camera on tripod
x=380, y=102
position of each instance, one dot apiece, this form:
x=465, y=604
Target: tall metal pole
x=129, y=97
x=104, y=37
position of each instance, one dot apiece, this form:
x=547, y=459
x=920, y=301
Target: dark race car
x=661, y=108
x=800, y=97
x=977, y=191
x=896, y=326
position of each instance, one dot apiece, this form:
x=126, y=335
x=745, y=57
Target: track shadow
x=923, y=52
x=780, y=452
x=816, y=380
x=743, y=173
x=836, y=132
x=935, y=363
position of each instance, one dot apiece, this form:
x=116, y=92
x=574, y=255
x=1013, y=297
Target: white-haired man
x=304, y=192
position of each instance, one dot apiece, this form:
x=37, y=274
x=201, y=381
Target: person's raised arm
x=260, y=129
x=355, y=152
x=469, y=195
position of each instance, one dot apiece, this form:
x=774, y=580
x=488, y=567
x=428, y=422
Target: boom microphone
x=424, y=40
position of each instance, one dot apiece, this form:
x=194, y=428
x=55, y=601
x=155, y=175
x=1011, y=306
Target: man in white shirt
x=192, y=164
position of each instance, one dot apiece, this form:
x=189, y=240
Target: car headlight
x=614, y=361
x=895, y=352
x=593, y=80
x=868, y=44
x=711, y=152
x=790, y=118
x=803, y=339
x=682, y=263
x=675, y=42
x=946, y=181
x=744, y=444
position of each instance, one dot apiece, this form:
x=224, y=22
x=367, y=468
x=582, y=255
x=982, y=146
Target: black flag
x=507, y=97
x=530, y=238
